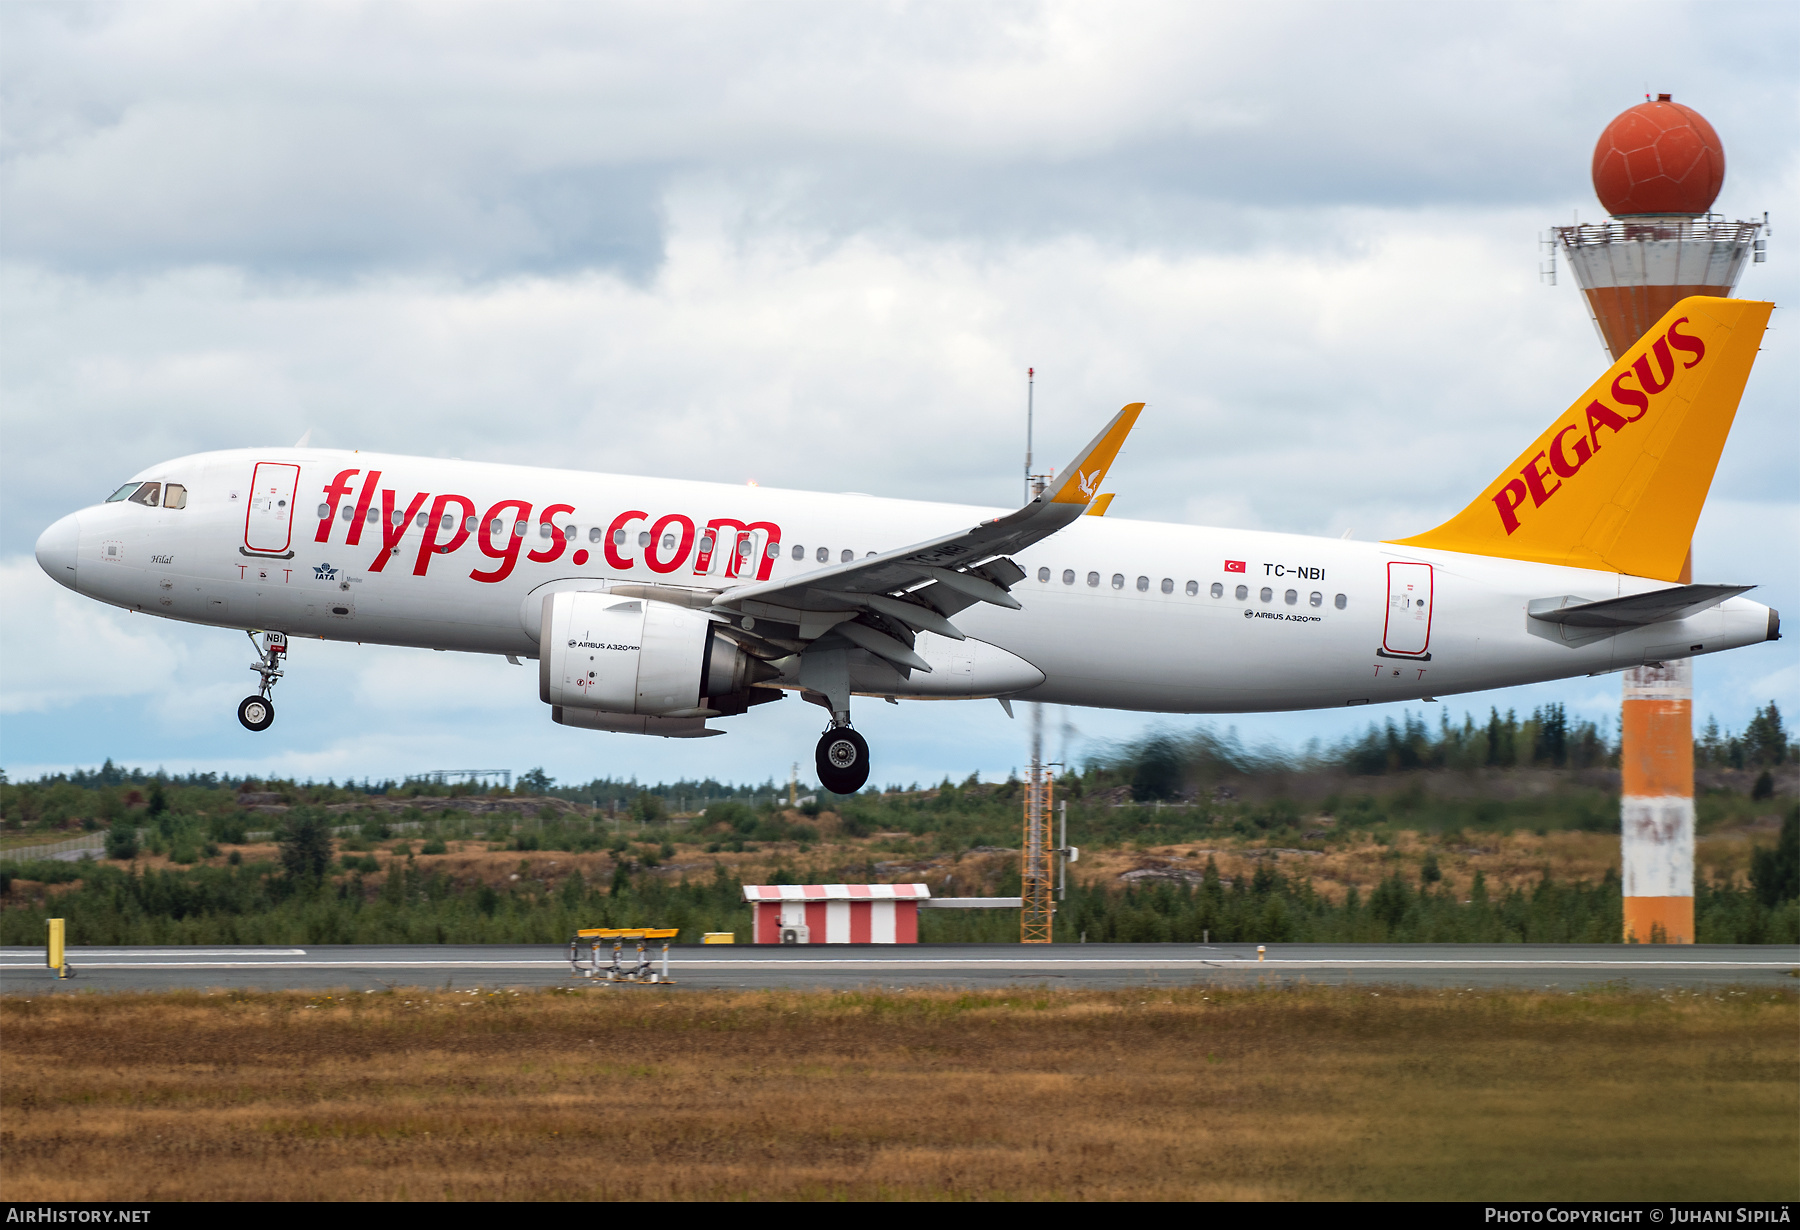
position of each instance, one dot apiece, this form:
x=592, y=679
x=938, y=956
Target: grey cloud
x=486, y=140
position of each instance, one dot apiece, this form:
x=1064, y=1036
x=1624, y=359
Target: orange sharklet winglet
x=1081, y=481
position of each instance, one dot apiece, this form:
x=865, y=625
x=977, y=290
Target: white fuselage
x=1117, y=613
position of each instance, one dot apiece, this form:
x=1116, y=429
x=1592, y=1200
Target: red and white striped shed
x=836, y=913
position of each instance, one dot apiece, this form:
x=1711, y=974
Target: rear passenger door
x=1408, y=629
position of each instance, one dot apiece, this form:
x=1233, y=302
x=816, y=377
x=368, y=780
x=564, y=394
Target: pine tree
x=305, y=842
x=1775, y=874
x=1765, y=739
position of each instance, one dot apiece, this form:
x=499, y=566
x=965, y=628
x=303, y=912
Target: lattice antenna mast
x=1037, y=852
x=1034, y=483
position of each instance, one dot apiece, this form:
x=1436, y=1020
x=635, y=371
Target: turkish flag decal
x=1234, y=565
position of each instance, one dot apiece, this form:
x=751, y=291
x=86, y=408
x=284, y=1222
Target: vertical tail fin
x=1617, y=481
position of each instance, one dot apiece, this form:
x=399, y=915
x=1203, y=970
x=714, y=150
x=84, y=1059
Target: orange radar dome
x=1658, y=158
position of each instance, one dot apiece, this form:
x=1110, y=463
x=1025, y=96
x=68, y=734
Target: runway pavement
x=376, y=967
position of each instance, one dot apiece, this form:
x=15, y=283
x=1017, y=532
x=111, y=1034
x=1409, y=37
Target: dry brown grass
x=1508, y=860
x=1518, y=859
x=620, y=1093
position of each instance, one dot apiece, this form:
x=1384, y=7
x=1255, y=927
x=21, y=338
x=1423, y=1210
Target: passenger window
x=121, y=493
x=845, y=556
x=1068, y=576
x=469, y=527
x=1317, y=599
x=594, y=535
x=1340, y=602
x=1218, y=590
x=1118, y=580
x=669, y=544
x=1093, y=579
x=1143, y=585
x=1291, y=597
x=324, y=511
x=1243, y=592
x=147, y=495
x=1267, y=594
x=799, y=552
x=373, y=516
x=449, y=523
x=1043, y=574
x=518, y=529
x=348, y=514
x=618, y=537
x=643, y=537
x=1193, y=589
x=823, y=555
x=1168, y=586
x=396, y=517
x=568, y=533
x=421, y=519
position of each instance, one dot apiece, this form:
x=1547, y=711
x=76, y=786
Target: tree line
x=316, y=894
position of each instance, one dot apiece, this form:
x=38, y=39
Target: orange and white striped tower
x=1657, y=169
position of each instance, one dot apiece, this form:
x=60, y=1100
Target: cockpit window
x=122, y=492
x=175, y=496
x=147, y=495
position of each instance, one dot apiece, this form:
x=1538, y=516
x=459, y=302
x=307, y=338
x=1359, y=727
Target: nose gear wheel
x=256, y=712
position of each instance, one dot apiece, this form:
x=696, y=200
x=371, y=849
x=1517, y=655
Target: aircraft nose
x=58, y=548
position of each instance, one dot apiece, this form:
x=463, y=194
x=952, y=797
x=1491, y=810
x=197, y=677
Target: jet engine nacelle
x=631, y=655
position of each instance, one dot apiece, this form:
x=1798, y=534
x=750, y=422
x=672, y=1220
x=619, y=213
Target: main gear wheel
x=842, y=760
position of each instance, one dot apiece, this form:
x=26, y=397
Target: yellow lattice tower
x=1036, y=855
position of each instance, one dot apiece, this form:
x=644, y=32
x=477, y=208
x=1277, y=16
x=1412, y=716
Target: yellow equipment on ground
x=643, y=970
x=54, y=955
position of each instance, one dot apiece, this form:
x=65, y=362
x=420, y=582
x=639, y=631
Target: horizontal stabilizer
x=1634, y=611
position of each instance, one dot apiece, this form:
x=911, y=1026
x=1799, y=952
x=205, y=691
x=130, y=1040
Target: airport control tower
x=1658, y=168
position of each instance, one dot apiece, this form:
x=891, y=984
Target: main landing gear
x=258, y=712
x=842, y=760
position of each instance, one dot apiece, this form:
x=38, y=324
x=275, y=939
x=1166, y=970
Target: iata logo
x=324, y=572
x=1577, y=443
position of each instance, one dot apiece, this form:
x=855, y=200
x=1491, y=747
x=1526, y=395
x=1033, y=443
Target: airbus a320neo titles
x=656, y=606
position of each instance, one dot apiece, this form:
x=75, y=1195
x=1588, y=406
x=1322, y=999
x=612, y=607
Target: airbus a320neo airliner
x=655, y=606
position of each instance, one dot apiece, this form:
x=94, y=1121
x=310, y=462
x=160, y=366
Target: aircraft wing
x=880, y=602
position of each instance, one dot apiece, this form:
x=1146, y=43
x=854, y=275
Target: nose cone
x=57, y=549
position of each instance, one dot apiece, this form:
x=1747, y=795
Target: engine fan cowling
x=632, y=655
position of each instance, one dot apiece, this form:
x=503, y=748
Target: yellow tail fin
x=1617, y=482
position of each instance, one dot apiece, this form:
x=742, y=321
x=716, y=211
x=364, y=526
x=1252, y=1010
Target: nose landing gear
x=258, y=712
x=842, y=760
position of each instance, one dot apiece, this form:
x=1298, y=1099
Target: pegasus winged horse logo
x=1087, y=482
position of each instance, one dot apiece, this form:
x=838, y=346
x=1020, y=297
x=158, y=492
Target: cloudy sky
x=816, y=245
